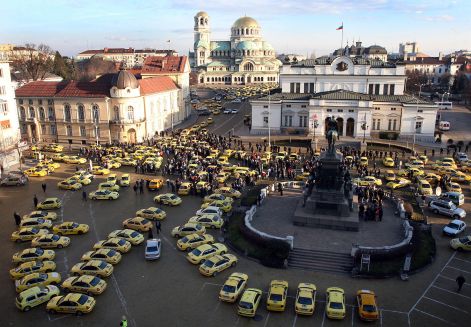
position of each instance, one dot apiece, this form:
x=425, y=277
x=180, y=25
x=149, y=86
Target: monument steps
x=318, y=260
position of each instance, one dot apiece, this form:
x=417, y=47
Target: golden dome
x=245, y=22
x=202, y=13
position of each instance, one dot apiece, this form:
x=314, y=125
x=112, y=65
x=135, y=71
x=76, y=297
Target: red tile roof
x=164, y=65
x=157, y=84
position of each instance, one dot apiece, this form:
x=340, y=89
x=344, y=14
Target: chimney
x=440, y=56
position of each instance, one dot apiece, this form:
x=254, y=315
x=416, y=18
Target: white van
x=444, y=125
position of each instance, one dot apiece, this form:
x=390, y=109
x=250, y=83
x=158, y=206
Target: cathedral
x=245, y=59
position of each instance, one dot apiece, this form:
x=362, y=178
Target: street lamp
x=315, y=124
x=364, y=127
x=269, y=132
x=417, y=114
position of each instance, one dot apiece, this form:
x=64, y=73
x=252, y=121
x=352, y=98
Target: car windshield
x=83, y=299
x=208, y=263
x=111, y=253
x=122, y=242
x=453, y=206
x=102, y=265
x=152, y=249
x=463, y=240
x=55, y=237
x=39, y=251
x=369, y=308
x=95, y=281
x=276, y=297
x=196, y=252
x=336, y=305
x=245, y=305
x=173, y=197
x=453, y=226
x=305, y=300
x=229, y=288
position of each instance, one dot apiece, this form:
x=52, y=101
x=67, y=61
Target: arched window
x=22, y=113
x=67, y=116
x=247, y=31
x=116, y=112
x=42, y=115
x=248, y=67
x=130, y=113
x=202, y=21
x=31, y=112
x=81, y=112
x=96, y=113
x=251, y=31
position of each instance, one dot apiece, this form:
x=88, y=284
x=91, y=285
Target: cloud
x=440, y=18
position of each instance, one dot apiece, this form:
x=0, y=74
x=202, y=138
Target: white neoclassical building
x=115, y=107
x=244, y=59
x=357, y=92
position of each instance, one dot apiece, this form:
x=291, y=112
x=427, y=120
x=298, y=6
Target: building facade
x=9, y=126
x=127, y=58
x=114, y=108
x=357, y=50
x=356, y=92
x=244, y=59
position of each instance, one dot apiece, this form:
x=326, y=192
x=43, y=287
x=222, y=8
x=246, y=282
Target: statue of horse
x=331, y=136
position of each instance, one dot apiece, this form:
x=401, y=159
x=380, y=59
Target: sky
x=304, y=27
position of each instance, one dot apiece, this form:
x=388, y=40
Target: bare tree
x=88, y=70
x=32, y=62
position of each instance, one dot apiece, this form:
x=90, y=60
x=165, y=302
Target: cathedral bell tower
x=202, y=38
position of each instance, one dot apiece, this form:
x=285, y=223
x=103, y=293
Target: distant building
x=127, y=58
x=113, y=108
x=355, y=91
x=408, y=48
x=358, y=51
x=244, y=59
x=9, y=126
x=290, y=58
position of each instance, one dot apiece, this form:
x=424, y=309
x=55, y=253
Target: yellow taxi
x=277, y=295
x=389, y=176
x=388, y=162
x=93, y=267
x=103, y=195
x=50, y=241
x=115, y=243
x=112, y=179
x=202, y=252
x=74, y=160
x=424, y=159
x=138, y=223
x=233, y=287
x=453, y=187
x=152, y=213
x=41, y=214
x=207, y=220
x=133, y=237
x=228, y=191
x=37, y=279
x=69, y=185
x=184, y=189
x=59, y=157
x=398, y=183
x=105, y=254
x=98, y=170
x=168, y=199
x=303, y=177
x=249, y=302
x=335, y=303
x=82, y=179
x=70, y=228
x=222, y=177
x=223, y=205
x=363, y=161
x=367, y=181
x=49, y=204
x=30, y=267
x=460, y=177
x=109, y=186
x=36, y=222
x=191, y=241
x=217, y=197
x=187, y=229
x=36, y=172
x=33, y=254
x=35, y=296
x=216, y=112
x=27, y=234
x=305, y=299
x=217, y=263
x=424, y=187
x=367, y=308
x=91, y=285
x=461, y=244
x=155, y=184
x=71, y=303
x=125, y=180
x=202, y=185
x=416, y=172
x=229, y=153
x=432, y=178
x=209, y=120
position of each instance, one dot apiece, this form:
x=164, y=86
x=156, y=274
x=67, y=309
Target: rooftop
x=164, y=65
x=374, y=63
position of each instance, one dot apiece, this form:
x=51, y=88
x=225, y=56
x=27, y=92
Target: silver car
x=153, y=247
x=447, y=208
x=13, y=181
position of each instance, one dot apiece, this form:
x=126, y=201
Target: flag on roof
x=340, y=27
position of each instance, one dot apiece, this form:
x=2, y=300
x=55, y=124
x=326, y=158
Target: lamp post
x=269, y=113
x=416, y=114
x=364, y=127
x=315, y=124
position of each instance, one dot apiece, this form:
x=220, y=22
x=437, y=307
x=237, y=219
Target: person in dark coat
x=280, y=188
x=141, y=188
x=17, y=218
x=135, y=188
x=84, y=196
x=158, y=226
x=150, y=234
x=35, y=201
x=460, y=280
x=43, y=186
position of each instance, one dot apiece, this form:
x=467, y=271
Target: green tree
x=60, y=67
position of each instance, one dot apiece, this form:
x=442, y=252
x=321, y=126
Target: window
x=374, y=124
x=306, y=88
x=22, y=113
x=4, y=108
x=116, y=112
x=130, y=113
x=378, y=124
x=393, y=109
x=389, y=124
x=248, y=67
x=377, y=108
x=30, y=101
x=42, y=115
x=67, y=116
x=303, y=106
x=376, y=88
x=68, y=129
x=351, y=110
x=420, y=110
x=43, y=129
x=83, y=131
x=40, y=101
x=96, y=113
x=370, y=89
x=339, y=110
x=288, y=106
x=288, y=121
x=50, y=102
x=265, y=106
x=53, y=130
x=2, y=90
x=329, y=110
x=51, y=114
x=20, y=101
x=81, y=112
x=23, y=129
x=395, y=124
x=311, y=87
x=31, y=112
x=385, y=89
x=302, y=121
x=297, y=87
x=1, y=73
x=265, y=121
x=418, y=127
x=439, y=70
x=291, y=87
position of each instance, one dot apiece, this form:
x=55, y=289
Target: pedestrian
x=35, y=201
x=141, y=188
x=158, y=226
x=17, y=218
x=280, y=189
x=43, y=185
x=84, y=196
x=460, y=280
x=150, y=234
x=135, y=188
x=124, y=322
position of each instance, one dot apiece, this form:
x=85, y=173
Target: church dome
x=245, y=22
x=202, y=44
x=247, y=45
x=202, y=13
x=376, y=49
x=124, y=79
x=267, y=46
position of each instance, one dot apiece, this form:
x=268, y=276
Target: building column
x=29, y=133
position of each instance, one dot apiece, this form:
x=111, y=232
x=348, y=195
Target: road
x=459, y=118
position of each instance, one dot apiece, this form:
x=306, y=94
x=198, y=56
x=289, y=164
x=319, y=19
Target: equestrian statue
x=331, y=134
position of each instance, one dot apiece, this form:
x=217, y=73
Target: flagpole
x=341, y=44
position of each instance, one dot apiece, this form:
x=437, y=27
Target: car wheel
x=459, y=249
x=233, y=264
x=94, y=198
x=60, y=246
x=214, y=274
x=223, y=252
x=26, y=309
x=213, y=227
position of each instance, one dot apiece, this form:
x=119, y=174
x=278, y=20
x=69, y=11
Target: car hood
x=450, y=230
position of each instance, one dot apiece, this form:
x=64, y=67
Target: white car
x=153, y=247
x=195, y=101
x=211, y=210
x=236, y=100
x=461, y=157
x=227, y=111
x=234, y=111
x=454, y=227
